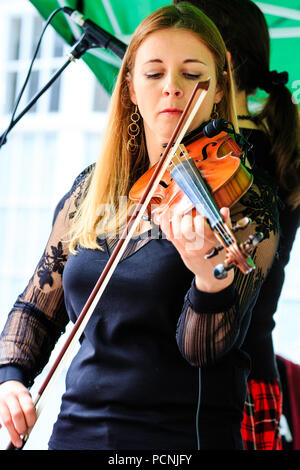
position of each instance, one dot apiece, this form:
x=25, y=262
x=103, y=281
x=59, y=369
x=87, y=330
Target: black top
x=128, y=387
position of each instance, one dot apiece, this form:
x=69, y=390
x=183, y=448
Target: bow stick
x=117, y=253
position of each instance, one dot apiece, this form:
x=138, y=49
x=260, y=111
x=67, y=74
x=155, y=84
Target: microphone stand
x=82, y=45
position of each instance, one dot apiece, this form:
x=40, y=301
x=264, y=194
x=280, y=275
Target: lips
x=171, y=111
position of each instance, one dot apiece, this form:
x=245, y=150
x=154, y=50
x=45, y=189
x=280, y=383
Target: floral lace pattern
x=51, y=263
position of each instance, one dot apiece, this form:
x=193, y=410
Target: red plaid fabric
x=263, y=407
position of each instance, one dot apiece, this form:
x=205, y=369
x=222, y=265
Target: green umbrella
x=120, y=18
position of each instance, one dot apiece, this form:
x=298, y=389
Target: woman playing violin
x=129, y=387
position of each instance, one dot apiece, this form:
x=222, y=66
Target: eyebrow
x=186, y=61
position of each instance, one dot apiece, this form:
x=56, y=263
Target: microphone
x=99, y=36
x=208, y=129
x=215, y=127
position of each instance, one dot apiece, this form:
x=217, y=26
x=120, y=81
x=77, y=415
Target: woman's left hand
x=193, y=238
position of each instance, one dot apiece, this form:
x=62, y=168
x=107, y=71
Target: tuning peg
x=241, y=224
x=220, y=271
x=213, y=252
x=253, y=240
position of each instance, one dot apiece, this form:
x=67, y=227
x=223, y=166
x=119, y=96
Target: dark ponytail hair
x=245, y=33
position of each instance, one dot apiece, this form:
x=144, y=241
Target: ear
x=131, y=90
x=229, y=58
x=219, y=93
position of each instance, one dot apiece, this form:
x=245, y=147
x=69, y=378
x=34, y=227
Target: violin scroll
x=243, y=249
x=241, y=224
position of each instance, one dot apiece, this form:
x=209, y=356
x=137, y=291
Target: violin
x=205, y=174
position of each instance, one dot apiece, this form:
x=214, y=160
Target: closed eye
x=190, y=76
x=153, y=75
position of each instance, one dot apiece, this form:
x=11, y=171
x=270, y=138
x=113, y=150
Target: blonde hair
x=116, y=169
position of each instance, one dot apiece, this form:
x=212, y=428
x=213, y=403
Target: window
x=48, y=148
x=24, y=33
x=101, y=98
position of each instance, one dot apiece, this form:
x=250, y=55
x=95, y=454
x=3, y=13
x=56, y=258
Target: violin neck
x=188, y=178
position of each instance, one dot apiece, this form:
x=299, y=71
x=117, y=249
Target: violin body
x=205, y=174
x=218, y=160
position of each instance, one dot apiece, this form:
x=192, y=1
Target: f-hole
x=204, y=152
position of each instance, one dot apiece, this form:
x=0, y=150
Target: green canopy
x=118, y=17
x=121, y=17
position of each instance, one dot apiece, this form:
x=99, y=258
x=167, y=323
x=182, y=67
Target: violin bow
x=91, y=303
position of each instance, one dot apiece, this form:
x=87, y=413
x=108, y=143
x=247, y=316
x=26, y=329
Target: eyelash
x=190, y=76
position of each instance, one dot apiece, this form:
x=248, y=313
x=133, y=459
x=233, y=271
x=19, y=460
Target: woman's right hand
x=17, y=411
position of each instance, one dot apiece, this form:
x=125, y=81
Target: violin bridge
x=181, y=154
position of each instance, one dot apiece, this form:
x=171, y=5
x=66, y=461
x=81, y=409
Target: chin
x=166, y=135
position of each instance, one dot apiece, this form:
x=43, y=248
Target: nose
x=172, y=87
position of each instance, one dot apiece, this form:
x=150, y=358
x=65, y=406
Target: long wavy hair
x=102, y=210
x=245, y=32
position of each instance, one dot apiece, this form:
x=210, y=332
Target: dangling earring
x=133, y=131
x=214, y=114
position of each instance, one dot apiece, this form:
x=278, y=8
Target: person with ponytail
x=274, y=133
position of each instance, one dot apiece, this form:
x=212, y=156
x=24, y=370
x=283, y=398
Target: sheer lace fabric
x=204, y=338
x=39, y=317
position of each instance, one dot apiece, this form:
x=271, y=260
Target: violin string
x=227, y=236
x=211, y=207
x=188, y=178
x=219, y=225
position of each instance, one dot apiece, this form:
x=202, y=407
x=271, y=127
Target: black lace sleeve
x=39, y=317
x=211, y=324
